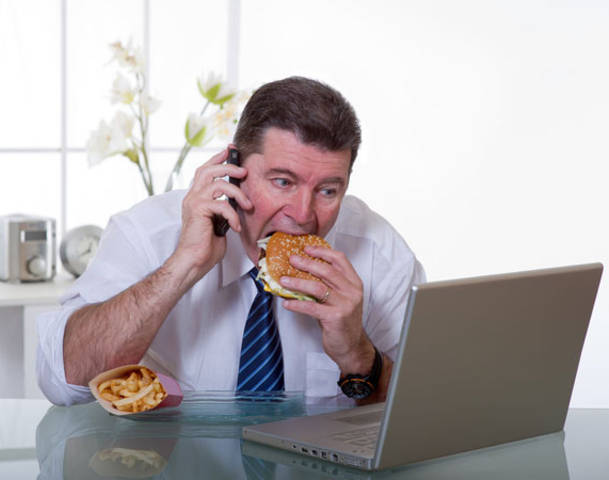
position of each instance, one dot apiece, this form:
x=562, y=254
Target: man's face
x=294, y=187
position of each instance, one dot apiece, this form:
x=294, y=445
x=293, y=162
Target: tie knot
x=254, y=274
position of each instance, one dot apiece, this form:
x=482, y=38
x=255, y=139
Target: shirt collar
x=235, y=263
x=331, y=236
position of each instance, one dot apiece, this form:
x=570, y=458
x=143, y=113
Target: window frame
x=232, y=69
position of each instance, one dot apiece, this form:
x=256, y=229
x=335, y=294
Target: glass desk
x=84, y=442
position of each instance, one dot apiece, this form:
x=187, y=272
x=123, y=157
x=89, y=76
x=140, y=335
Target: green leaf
x=186, y=130
x=221, y=101
x=211, y=93
x=197, y=140
x=200, y=87
x=132, y=155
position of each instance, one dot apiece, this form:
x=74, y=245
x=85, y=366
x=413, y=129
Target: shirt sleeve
x=118, y=264
x=124, y=257
x=396, y=270
x=49, y=358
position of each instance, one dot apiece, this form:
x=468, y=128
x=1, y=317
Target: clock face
x=78, y=248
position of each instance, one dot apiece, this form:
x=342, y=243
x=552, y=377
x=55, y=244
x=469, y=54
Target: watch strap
x=371, y=380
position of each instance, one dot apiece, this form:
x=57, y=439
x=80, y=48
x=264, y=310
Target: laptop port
x=314, y=452
x=324, y=454
x=335, y=457
x=304, y=450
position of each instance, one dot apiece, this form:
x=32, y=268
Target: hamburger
x=274, y=262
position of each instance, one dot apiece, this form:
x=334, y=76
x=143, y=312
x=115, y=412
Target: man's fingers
x=215, y=190
x=323, y=271
x=224, y=209
x=203, y=203
x=312, y=309
x=336, y=258
x=313, y=288
x=218, y=158
x=208, y=174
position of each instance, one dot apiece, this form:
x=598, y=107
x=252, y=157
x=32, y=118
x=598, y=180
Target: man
x=165, y=291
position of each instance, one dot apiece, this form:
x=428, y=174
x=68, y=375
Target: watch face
x=356, y=389
x=360, y=386
x=78, y=248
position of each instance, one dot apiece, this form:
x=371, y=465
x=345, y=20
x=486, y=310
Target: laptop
x=539, y=457
x=482, y=361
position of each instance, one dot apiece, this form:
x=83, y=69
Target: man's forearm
x=120, y=330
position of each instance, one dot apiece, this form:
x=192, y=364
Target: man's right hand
x=120, y=330
x=199, y=249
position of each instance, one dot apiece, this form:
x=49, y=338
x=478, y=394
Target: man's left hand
x=339, y=310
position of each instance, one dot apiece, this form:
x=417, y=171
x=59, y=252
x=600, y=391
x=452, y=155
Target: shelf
x=38, y=293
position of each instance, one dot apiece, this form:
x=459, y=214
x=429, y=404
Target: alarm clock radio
x=27, y=248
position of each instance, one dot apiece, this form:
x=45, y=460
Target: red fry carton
x=171, y=386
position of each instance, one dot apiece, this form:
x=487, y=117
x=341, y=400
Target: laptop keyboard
x=362, y=437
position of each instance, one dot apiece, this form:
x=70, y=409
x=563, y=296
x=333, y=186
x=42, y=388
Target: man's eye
x=328, y=192
x=281, y=182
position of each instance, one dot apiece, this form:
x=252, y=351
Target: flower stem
x=145, y=169
x=146, y=183
x=178, y=165
x=142, y=118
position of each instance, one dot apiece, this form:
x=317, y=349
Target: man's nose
x=300, y=207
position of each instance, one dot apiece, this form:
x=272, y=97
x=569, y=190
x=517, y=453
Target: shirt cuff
x=321, y=375
x=49, y=359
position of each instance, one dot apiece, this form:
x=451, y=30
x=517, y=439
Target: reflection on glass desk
x=84, y=442
x=226, y=408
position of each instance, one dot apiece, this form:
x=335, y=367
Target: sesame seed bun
x=282, y=245
x=275, y=262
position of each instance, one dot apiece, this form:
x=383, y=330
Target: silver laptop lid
x=485, y=361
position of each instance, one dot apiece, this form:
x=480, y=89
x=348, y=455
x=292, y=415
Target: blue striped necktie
x=261, y=363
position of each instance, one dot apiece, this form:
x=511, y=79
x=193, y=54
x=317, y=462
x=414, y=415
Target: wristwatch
x=360, y=386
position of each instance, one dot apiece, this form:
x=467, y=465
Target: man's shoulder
x=359, y=228
x=157, y=213
x=356, y=218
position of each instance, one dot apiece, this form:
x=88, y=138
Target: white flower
x=214, y=89
x=119, y=52
x=122, y=91
x=149, y=104
x=198, y=130
x=225, y=120
x=243, y=96
x=135, y=61
x=122, y=123
x=128, y=56
x=111, y=139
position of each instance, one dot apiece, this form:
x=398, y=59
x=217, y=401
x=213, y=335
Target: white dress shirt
x=200, y=341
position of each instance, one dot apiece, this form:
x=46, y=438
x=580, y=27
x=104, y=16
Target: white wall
x=485, y=128
x=505, y=148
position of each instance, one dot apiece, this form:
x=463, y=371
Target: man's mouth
x=290, y=231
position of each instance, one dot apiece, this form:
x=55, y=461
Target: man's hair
x=316, y=113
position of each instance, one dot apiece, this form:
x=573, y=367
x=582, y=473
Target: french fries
x=139, y=391
x=121, y=462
